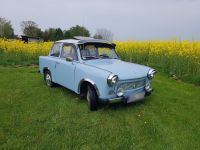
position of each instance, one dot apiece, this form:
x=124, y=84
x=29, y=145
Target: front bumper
x=132, y=98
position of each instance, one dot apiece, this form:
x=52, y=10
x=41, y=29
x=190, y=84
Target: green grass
x=17, y=58
x=33, y=116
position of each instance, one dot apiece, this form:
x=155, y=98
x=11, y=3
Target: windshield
x=97, y=51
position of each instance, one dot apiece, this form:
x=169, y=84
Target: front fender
x=91, y=82
x=97, y=77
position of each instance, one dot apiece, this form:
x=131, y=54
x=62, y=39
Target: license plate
x=136, y=97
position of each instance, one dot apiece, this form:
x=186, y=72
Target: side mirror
x=69, y=59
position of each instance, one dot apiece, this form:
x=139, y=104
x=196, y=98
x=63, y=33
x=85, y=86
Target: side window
x=55, y=50
x=69, y=51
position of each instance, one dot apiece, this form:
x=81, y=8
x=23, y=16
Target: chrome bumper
x=148, y=92
x=123, y=99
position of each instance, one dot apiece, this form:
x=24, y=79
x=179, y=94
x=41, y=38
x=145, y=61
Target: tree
x=39, y=33
x=104, y=34
x=58, y=34
x=78, y=31
x=54, y=34
x=6, y=30
x=45, y=35
x=30, y=28
x=67, y=34
x=97, y=36
x=50, y=34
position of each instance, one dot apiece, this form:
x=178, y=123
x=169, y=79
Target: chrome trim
x=142, y=87
x=109, y=79
x=120, y=93
x=148, y=92
x=151, y=73
x=131, y=85
x=91, y=82
x=148, y=89
x=130, y=81
x=133, y=79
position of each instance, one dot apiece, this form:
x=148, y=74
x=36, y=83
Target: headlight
x=112, y=79
x=120, y=92
x=151, y=74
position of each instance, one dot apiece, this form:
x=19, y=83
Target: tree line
x=30, y=28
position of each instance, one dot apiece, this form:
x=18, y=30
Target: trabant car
x=91, y=68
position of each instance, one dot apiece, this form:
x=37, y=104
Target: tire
x=92, y=98
x=48, y=78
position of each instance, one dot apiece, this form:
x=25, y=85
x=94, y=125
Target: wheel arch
x=85, y=81
x=45, y=69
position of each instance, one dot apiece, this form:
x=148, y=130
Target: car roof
x=85, y=40
x=68, y=41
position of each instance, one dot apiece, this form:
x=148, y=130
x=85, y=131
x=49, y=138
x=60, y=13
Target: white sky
x=127, y=19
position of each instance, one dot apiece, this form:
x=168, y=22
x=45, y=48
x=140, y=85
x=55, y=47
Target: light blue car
x=92, y=68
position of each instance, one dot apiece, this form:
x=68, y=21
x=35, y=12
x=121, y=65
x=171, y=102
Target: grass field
x=33, y=116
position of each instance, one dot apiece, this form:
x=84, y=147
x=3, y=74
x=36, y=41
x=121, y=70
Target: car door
x=66, y=65
x=53, y=58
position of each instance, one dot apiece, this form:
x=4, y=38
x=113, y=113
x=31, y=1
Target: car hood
x=124, y=70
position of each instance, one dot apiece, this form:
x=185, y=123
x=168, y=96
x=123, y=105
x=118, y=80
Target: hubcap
x=48, y=79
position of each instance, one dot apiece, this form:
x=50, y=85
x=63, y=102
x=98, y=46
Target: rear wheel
x=48, y=78
x=92, y=98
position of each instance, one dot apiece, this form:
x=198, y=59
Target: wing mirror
x=69, y=59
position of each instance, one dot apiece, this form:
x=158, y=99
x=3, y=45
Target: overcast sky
x=127, y=19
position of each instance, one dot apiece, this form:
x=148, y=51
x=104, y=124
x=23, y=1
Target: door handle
x=57, y=63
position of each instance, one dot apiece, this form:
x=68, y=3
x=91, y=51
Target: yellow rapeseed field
x=186, y=49
x=180, y=58
x=18, y=46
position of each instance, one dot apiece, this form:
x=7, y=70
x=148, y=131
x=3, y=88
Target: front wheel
x=92, y=98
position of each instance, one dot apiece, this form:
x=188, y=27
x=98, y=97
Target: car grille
x=130, y=85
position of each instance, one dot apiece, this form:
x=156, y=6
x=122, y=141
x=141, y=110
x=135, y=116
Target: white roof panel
x=88, y=40
x=69, y=41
